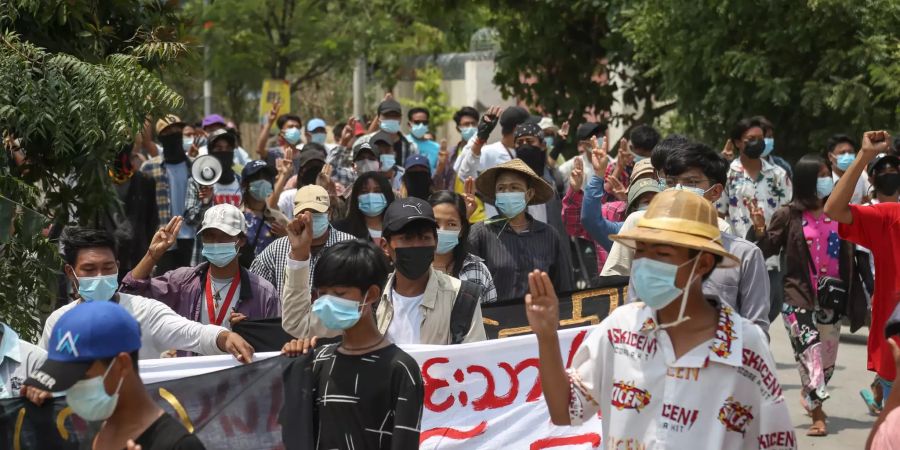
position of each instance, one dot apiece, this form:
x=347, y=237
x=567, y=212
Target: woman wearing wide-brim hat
x=512, y=243
x=673, y=350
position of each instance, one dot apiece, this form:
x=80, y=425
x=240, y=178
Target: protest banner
x=484, y=395
x=272, y=91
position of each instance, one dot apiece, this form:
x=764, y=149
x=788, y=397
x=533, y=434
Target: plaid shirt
x=571, y=217
x=624, y=178
x=271, y=262
x=474, y=270
x=155, y=169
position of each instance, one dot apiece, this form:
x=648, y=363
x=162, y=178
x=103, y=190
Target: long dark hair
x=356, y=220
x=806, y=172
x=462, y=249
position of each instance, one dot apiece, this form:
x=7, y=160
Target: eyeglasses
x=686, y=182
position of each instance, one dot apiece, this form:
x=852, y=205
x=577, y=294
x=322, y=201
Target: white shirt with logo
x=722, y=394
x=227, y=193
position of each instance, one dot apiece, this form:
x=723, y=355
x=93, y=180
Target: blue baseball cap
x=88, y=332
x=417, y=160
x=313, y=124
x=255, y=166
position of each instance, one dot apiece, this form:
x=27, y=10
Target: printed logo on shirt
x=624, y=443
x=229, y=199
x=680, y=419
x=684, y=373
x=760, y=374
x=778, y=440
x=725, y=334
x=735, y=416
x=631, y=344
x=627, y=396
x=648, y=325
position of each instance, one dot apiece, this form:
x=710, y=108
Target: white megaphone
x=206, y=170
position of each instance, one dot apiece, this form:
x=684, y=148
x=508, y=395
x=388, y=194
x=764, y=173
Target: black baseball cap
x=510, y=117
x=221, y=133
x=254, y=167
x=382, y=136
x=884, y=158
x=587, y=130
x=406, y=210
x=310, y=154
x=390, y=105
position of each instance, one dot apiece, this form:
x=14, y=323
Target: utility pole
x=359, y=88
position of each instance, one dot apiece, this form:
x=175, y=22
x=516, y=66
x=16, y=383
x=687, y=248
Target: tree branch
x=315, y=70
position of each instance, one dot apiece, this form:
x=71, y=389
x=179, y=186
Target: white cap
x=547, y=122
x=225, y=217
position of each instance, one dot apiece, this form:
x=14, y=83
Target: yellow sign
x=272, y=91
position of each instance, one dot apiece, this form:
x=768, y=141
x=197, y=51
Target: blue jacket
x=592, y=214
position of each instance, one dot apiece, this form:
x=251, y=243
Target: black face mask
x=418, y=184
x=173, y=152
x=534, y=157
x=310, y=174
x=226, y=159
x=414, y=262
x=887, y=183
x=754, y=148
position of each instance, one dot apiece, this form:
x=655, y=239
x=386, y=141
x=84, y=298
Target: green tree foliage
x=813, y=67
x=428, y=87
x=71, y=103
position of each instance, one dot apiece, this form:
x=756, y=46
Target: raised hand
x=469, y=197
x=626, y=158
x=285, y=167
x=273, y=113
x=875, y=142
x=757, y=216
x=542, y=305
x=348, y=131
x=299, y=233
x=576, y=178
x=615, y=187
x=194, y=151
x=488, y=122
x=564, y=131
x=164, y=238
x=599, y=157
x=728, y=151
x=443, y=156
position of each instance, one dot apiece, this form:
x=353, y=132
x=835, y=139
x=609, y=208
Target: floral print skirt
x=815, y=348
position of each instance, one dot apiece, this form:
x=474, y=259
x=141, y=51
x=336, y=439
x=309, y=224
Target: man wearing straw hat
x=675, y=369
x=513, y=243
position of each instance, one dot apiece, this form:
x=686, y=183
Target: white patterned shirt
x=722, y=394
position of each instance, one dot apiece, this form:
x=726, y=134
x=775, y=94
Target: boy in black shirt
x=366, y=392
x=93, y=356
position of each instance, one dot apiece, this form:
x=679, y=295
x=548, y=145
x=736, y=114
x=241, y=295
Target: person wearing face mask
x=419, y=119
x=635, y=149
x=19, y=358
x=388, y=124
x=702, y=359
x=218, y=292
x=312, y=199
x=583, y=134
x=840, y=150
x=93, y=359
x=369, y=198
x=388, y=164
x=170, y=173
x=91, y=269
x=287, y=140
x=417, y=180
x=816, y=256
x=478, y=156
x=349, y=278
x=316, y=133
x=451, y=256
x=466, y=120
x=513, y=243
x=264, y=223
x=769, y=149
x=215, y=122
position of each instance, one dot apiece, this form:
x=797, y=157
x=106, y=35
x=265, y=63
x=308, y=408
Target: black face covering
x=887, y=183
x=534, y=157
x=310, y=174
x=418, y=184
x=414, y=262
x=754, y=148
x=173, y=152
x=226, y=159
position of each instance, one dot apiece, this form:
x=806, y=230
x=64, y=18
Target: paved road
x=849, y=421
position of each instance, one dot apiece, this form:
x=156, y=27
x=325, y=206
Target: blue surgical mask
x=695, y=190
x=654, y=284
x=372, y=204
x=220, y=255
x=98, y=289
x=447, y=241
x=89, y=400
x=292, y=135
x=366, y=165
x=337, y=313
x=638, y=158
x=260, y=189
x=844, y=161
x=824, y=186
x=419, y=129
x=387, y=162
x=548, y=141
x=390, y=125
x=186, y=143
x=770, y=145
x=318, y=138
x=319, y=224
x=467, y=132
x=510, y=204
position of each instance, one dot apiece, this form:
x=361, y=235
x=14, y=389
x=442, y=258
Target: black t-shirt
x=168, y=434
x=371, y=401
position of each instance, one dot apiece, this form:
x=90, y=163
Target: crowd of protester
x=380, y=238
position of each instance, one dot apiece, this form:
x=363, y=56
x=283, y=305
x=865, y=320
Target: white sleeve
x=297, y=318
x=585, y=377
x=170, y=330
x=286, y=203
x=467, y=164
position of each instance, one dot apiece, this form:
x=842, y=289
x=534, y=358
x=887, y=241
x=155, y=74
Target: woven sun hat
x=487, y=181
x=682, y=219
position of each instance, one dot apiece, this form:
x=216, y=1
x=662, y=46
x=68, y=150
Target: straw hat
x=487, y=181
x=682, y=219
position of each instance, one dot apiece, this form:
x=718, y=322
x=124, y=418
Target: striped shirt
x=474, y=270
x=510, y=256
x=270, y=263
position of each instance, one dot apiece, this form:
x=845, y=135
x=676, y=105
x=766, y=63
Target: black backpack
x=463, y=309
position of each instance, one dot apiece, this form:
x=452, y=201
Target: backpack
x=463, y=309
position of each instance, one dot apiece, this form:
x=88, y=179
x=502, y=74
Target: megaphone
x=206, y=170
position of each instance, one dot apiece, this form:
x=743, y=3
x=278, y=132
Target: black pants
x=178, y=256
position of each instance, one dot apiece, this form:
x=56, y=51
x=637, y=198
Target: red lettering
x=579, y=338
x=433, y=384
x=489, y=399
x=562, y=441
x=453, y=433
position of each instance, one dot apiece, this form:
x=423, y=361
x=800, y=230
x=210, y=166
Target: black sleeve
x=296, y=417
x=409, y=394
x=189, y=442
